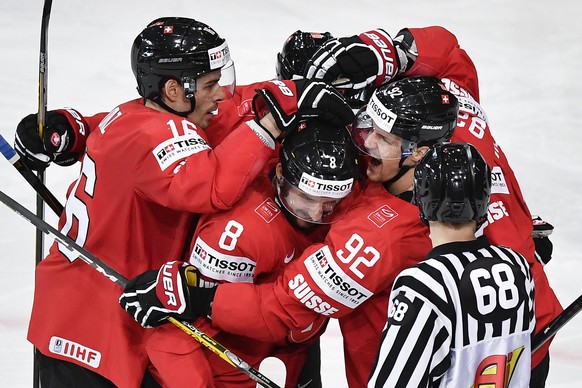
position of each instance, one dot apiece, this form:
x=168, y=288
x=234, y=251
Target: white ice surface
x=528, y=54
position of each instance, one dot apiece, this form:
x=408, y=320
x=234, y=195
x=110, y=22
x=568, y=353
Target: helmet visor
x=228, y=79
x=376, y=142
x=315, y=200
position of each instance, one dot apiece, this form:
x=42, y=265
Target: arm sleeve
x=207, y=180
x=439, y=55
x=264, y=312
x=415, y=344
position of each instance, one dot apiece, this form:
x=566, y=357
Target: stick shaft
x=116, y=277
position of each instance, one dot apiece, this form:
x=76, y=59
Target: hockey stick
x=30, y=176
x=43, y=66
x=556, y=324
x=42, y=103
x=115, y=277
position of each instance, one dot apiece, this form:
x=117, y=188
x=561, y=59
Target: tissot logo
x=216, y=265
x=376, y=108
x=325, y=187
x=180, y=144
x=219, y=54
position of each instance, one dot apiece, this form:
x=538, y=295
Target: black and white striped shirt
x=462, y=317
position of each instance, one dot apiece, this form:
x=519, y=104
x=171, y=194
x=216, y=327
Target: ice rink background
x=527, y=52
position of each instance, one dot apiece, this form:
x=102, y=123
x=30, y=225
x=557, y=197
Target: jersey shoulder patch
x=268, y=210
x=382, y=215
x=402, y=311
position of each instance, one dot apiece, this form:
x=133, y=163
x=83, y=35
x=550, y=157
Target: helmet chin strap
x=161, y=103
x=403, y=170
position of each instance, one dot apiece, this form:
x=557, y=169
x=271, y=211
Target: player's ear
x=418, y=154
x=171, y=90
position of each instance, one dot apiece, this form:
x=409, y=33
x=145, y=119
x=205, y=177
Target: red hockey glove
x=63, y=140
x=355, y=62
x=152, y=297
x=293, y=101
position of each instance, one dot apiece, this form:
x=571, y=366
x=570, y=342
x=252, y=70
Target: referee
x=464, y=316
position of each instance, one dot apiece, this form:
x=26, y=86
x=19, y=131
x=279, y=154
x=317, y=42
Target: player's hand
x=173, y=290
x=63, y=140
x=355, y=62
x=540, y=233
x=292, y=101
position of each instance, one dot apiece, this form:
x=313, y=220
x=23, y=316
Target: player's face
x=385, y=150
x=208, y=94
x=308, y=208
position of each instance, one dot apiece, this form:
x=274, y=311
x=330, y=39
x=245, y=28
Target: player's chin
x=374, y=172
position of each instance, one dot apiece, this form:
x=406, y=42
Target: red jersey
x=346, y=277
x=245, y=244
x=143, y=175
x=380, y=236
x=508, y=218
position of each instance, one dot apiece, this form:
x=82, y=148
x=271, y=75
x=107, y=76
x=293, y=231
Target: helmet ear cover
x=452, y=184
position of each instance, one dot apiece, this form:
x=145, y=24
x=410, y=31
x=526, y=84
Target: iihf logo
x=58, y=346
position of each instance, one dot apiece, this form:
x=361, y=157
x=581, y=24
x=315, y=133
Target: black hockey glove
x=63, y=139
x=152, y=297
x=293, y=101
x=544, y=247
x=355, y=62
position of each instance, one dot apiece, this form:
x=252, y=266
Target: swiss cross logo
x=55, y=139
x=168, y=29
x=302, y=126
x=308, y=182
x=202, y=254
x=382, y=215
x=169, y=148
x=445, y=99
x=320, y=256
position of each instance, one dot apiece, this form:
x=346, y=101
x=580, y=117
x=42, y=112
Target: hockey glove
x=540, y=233
x=293, y=101
x=152, y=297
x=63, y=141
x=355, y=62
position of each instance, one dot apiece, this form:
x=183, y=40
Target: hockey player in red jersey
x=146, y=169
x=349, y=275
x=436, y=52
x=332, y=279
x=463, y=317
x=316, y=179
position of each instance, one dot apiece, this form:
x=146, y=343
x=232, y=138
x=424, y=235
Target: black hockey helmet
x=452, y=183
x=419, y=110
x=178, y=48
x=320, y=166
x=297, y=50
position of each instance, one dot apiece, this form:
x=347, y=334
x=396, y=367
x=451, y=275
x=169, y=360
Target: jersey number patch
x=489, y=289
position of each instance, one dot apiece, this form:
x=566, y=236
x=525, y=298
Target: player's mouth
x=375, y=162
